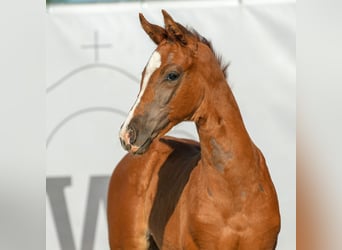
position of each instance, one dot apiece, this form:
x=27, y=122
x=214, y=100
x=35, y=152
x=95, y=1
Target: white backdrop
x=95, y=55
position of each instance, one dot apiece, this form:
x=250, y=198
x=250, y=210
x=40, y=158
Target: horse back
x=173, y=175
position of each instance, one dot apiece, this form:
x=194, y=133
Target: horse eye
x=172, y=76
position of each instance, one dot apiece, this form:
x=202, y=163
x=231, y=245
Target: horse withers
x=169, y=193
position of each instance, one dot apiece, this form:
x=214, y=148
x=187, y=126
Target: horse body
x=179, y=194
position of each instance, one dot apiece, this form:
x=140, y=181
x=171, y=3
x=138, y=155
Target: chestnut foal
x=170, y=193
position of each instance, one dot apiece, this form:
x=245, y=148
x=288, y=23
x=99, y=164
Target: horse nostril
x=124, y=145
x=132, y=135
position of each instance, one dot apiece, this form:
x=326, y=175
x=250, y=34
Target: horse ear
x=155, y=32
x=175, y=30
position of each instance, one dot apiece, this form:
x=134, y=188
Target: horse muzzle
x=137, y=134
x=130, y=141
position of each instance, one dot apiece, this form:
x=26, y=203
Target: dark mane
x=200, y=38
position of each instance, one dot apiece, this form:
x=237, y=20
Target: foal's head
x=173, y=84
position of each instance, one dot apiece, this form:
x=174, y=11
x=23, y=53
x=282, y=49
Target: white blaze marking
x=153, y=64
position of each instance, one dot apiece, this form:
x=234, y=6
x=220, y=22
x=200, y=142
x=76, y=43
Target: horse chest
x=200, y=222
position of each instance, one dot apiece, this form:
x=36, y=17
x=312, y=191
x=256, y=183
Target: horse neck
x=226, y=147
